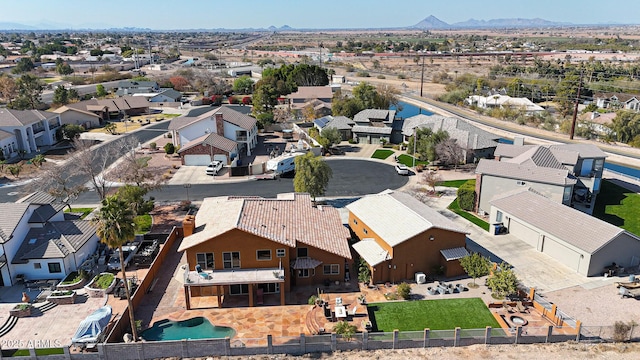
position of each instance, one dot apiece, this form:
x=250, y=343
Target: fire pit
x=518, y=320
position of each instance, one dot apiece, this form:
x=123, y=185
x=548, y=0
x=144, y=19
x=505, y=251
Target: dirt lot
x=496, y=352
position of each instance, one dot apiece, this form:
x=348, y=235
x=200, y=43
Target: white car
x=402, y=170
x=214, y=168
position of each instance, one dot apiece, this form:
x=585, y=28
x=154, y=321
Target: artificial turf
x=445, y=314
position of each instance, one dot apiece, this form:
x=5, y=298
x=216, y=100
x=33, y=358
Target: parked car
x=402, y=169
x=214, y=167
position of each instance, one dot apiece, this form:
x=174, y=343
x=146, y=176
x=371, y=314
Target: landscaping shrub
x=404, y=291
x=312, y=300
x=621, y=330
x=467, y=195
x=169, y=148
x=153, y=146
x=345, y=329
x=232, y=100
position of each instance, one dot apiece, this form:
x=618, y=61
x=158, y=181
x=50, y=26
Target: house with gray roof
x=475, y=142
x=39, y=241
x=399, y=236
x=191, y=134
x=130, y=87
x=342, y=123
x=584, y=163
x=28, y=130
x=375, y=126
x=583, y=243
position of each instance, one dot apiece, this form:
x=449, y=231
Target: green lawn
x=618, y=206
x=84, y=211
x=453, y=183
x=445, y=314
x=408, y=160
x=382, y=154
x=39, y=351
x=456, y=209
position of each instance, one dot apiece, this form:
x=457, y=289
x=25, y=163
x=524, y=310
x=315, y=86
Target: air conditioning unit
x=421, y=278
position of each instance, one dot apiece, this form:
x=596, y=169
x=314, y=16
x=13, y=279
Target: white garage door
x=363, y=139
x=375, y=140
x=197, y=160
x=523, y=233
x=220, y=157
x=561, y=253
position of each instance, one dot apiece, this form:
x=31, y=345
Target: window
x=598, y=164
x=365, y=231
x=499, y=216
x=54, y=268
x=566, y=196
x=270, y=288
x=355, y=221
x=263, y=255
x=302, y=252
x=205, y=260
x=231, y=260
x=305, y=273
x=239, y=289
x=280, y=252
x=331, y=269
x=37, y=266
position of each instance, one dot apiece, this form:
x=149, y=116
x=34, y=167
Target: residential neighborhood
x=355, y=192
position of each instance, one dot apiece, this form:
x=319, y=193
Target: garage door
x=523, y=233
x=375, y=140
x=561, y=253
x=363, y=139
x=197, y=160
x=221, y=157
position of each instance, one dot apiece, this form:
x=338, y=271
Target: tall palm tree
x=116, y=228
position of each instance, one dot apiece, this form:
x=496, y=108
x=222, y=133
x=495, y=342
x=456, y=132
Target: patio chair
x=508, y=307
x=353, y=311
x=521, y=307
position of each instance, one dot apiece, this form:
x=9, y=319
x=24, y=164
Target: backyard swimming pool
x=195, y=328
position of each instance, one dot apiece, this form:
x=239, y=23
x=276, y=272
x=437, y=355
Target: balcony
x=241, y=138
x=234, y=277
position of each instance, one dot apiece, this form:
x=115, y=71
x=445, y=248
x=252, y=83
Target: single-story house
x=399, y=236
x=114, y=108
x=246, y=245
x=503, y=102
x=300, y=98
x=584, y=243
x=87, y=119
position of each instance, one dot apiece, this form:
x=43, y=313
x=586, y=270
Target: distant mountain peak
x=431, y=22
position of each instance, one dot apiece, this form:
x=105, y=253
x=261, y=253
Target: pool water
x=195, y=328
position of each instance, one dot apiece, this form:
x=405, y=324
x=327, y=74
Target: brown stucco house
x=251, y=245
x=400, y=236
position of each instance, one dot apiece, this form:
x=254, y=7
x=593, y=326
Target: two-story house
x=219, y=134
x=375, y=126
x=38, y=241
x=247, y=246
x=617, y=101
x=570, y=174
x=27, y=130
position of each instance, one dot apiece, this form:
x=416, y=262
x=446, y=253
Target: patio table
x=341, y=312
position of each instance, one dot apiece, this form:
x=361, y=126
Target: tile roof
x=537, y=156
x=289, y=219
x=214, y=140
x=10, y=117
x=312, y=92
x=574, y=227
x=467, y=135
x=341, y=123
x=376, y=114
x=237, y=118
x=585, y=150
x=56, y=239
x=396, y=216
x=11, y=215
x=64, y=109
x=45, y=212
x=5, y=134
x=113, y=105
x=39, y=198
x=523, y=172
x=510, y=150
x=385, y=130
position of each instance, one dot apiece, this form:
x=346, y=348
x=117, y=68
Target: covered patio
x=208, y=283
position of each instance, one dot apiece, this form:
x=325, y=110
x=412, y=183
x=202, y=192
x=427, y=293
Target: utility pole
x=422, y=77
x=575, y=110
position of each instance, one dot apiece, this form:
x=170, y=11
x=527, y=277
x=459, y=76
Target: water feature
x=409, y=110
x=194, y=328
x=518, y=320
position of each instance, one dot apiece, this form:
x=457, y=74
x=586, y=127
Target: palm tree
x=116, y=228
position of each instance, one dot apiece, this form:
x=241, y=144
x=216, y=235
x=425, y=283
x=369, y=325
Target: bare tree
x=132, y=168
x=93, y=164
x=431, y=179
x=450, y=152
x=282, y=114
x=57, y=181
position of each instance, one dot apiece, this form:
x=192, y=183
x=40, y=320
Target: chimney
x=188, y=225
x=219, y=125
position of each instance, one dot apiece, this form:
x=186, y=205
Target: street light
x=187, y=186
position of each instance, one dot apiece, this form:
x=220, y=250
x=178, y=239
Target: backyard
x=618, y=206
x=471, y=313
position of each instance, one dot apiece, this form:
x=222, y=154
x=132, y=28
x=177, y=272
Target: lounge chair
x=352, y=312
x=508, y=307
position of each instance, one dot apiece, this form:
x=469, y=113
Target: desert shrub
x=312, y=300
x=621, y=331
x=345, y=329
x=467, y=195
x=153, y=146
x=169, y=148
x=381, y=77
x=362, y=74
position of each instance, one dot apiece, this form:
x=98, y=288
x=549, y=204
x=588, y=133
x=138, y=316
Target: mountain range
x=428, y=23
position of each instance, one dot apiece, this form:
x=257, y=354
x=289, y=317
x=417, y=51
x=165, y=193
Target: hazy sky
x=192, y=14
